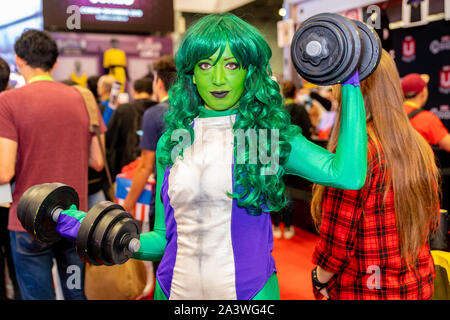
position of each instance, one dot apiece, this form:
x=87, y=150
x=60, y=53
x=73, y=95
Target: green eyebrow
x=225, y=59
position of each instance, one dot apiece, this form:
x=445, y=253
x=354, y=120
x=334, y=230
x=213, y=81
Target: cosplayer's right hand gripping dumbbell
x=106, y=235
x=329, y=49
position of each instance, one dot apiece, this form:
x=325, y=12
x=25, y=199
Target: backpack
x=414, y=113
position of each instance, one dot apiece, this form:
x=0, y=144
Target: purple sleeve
x=69, y=222
x=68, y=226
x=353, y=80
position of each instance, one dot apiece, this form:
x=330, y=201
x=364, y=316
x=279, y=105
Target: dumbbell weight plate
x=326, y=49
x=115, y=249
x=99, y=235
x=371, y=54
x=317, y=57
x=87, y=228
x=36, y=206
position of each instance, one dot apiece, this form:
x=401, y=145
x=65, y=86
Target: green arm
x=153, y=243
x=346, y=169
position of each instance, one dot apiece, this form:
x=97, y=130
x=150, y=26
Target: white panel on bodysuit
x=198, y=186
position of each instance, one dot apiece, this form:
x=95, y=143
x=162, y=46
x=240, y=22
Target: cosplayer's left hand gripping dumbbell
x=106, y=235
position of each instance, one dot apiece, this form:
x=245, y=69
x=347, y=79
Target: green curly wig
x=260, y=106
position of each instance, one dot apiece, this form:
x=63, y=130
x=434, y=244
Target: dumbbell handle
x=56, y=213
x=133, y=245
x=314, y=48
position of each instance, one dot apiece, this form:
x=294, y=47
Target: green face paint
x=220, y=83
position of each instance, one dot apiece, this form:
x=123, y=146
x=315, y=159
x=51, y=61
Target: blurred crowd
x=75, y=120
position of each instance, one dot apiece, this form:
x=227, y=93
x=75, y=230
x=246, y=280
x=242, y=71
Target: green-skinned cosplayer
x=213, y=231
x=221, y=161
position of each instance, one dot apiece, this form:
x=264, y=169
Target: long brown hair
x=409, y=167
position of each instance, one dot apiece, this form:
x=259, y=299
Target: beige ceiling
x=208, y=6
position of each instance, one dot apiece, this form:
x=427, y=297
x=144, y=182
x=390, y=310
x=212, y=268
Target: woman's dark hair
x=289, y=89
x=165, y=70
x=92, y=86
x=143, y=85
x=37, y=48
x=69, y=82
x=4, y=74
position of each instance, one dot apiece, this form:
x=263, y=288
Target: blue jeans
x=95, y=198
x=33, y=263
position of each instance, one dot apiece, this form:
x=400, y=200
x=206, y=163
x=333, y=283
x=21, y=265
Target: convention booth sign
x=426, y=49
x=111, y=16
x=83, y=53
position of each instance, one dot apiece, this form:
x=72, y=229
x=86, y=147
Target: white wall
x=312, y=7
x=66, y=65
x=208, y=6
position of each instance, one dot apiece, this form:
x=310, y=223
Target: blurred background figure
x=321, y=107
x=78, y=76
x=98, y=185
x=153, y=126
x=4, y=75
x=62, y=129
x=115, y=63
x=92, y=83
x=299, y=117
x=415, y=91
x=125, y=126
x=298, y=112
x=9, y=288
x=104, y=86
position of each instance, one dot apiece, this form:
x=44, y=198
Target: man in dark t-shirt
x=153, y=123
x=153, y=126
x=299, y=117
x=415, y=91
x=124, y=128
x=44, y=137
x=298, y=113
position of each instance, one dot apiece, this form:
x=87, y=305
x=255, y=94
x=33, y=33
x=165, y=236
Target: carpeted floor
x=293, y=263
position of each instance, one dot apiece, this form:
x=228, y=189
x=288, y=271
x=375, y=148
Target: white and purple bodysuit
x=209, y=247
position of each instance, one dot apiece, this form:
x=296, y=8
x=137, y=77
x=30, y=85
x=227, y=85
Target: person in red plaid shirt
x=374, y=241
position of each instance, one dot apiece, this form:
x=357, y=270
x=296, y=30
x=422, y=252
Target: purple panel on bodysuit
x=252, y=246
x=167, y=265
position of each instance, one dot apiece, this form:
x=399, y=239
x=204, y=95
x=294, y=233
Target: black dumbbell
x=39, y=204
x=107, y=235
x=328, y=48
